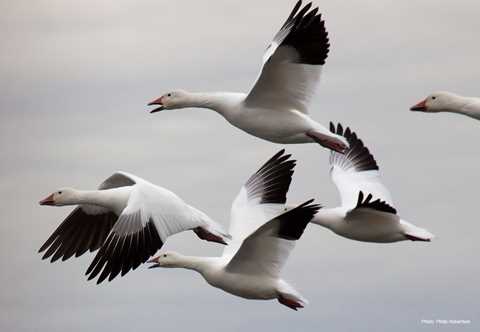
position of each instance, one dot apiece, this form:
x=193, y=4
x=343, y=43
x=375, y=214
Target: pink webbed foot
x=203, y=234
x=328, y=142
x=292, y=304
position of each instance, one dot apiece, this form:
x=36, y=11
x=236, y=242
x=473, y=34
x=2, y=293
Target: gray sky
x=75, y=78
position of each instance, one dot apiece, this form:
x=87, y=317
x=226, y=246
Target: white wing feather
x=266, y=250
x=260, y=199
x=356, y=170
x=292, y=63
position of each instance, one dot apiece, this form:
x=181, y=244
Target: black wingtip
x=307, y=34
x=311, y=207
x=357, y=155
x=332, y=127
x=78, y=233
x=293, y=13
x=123, y=253
x=360, y=198
x=271, y=182
x=294, y=221
x=378, y=204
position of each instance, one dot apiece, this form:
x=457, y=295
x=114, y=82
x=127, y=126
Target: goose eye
x=434, y=97
x=164, y=255
x=169, y=95
x=59, y=192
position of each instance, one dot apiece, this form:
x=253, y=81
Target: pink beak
x=47, y=200
x=421, y=106
x=155, y=261
x=157, y=101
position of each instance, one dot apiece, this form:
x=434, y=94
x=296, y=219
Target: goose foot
x=327, y=141
x=292, y=304
x=203, y=234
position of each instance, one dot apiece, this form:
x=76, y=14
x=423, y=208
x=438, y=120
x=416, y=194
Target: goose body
x=215, y=273
x=449, y=102
x=128, y=219
x=370, y=226
x=366, y=212
x=276, y=108
x=263, y=234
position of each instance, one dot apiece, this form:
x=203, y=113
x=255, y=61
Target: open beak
x=153, y=260
x=420, y=107
x=157, y=101
x=47, y=200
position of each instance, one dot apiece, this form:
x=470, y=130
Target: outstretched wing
x=78, y=233
x=86, y=227
x=267, y=249
x=292, y=63
x=152, y=215
x=356, y=170
x=132, y=240
x=261, y=198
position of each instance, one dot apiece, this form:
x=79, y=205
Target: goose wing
x=261, y=198
x=356, y=171
x=266, y=250
x=86, y=227
x=292, y=63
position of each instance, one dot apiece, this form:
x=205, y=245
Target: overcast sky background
x=75, y=78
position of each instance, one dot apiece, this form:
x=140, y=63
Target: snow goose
x=128, y=219
x=263, y=235
x=449, y=102
x=276, y=108
x=366, y=212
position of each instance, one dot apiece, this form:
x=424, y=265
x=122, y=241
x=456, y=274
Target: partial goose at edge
x=449, y=102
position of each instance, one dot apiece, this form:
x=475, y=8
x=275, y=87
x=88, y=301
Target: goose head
x=171, y=100
x=64, y=196
x=438, y=102
x=166, y=259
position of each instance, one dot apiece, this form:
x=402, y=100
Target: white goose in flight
x=276, y=108
x=263, y=235
x=128, y=219
x=366, y=212
x=449, y=102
